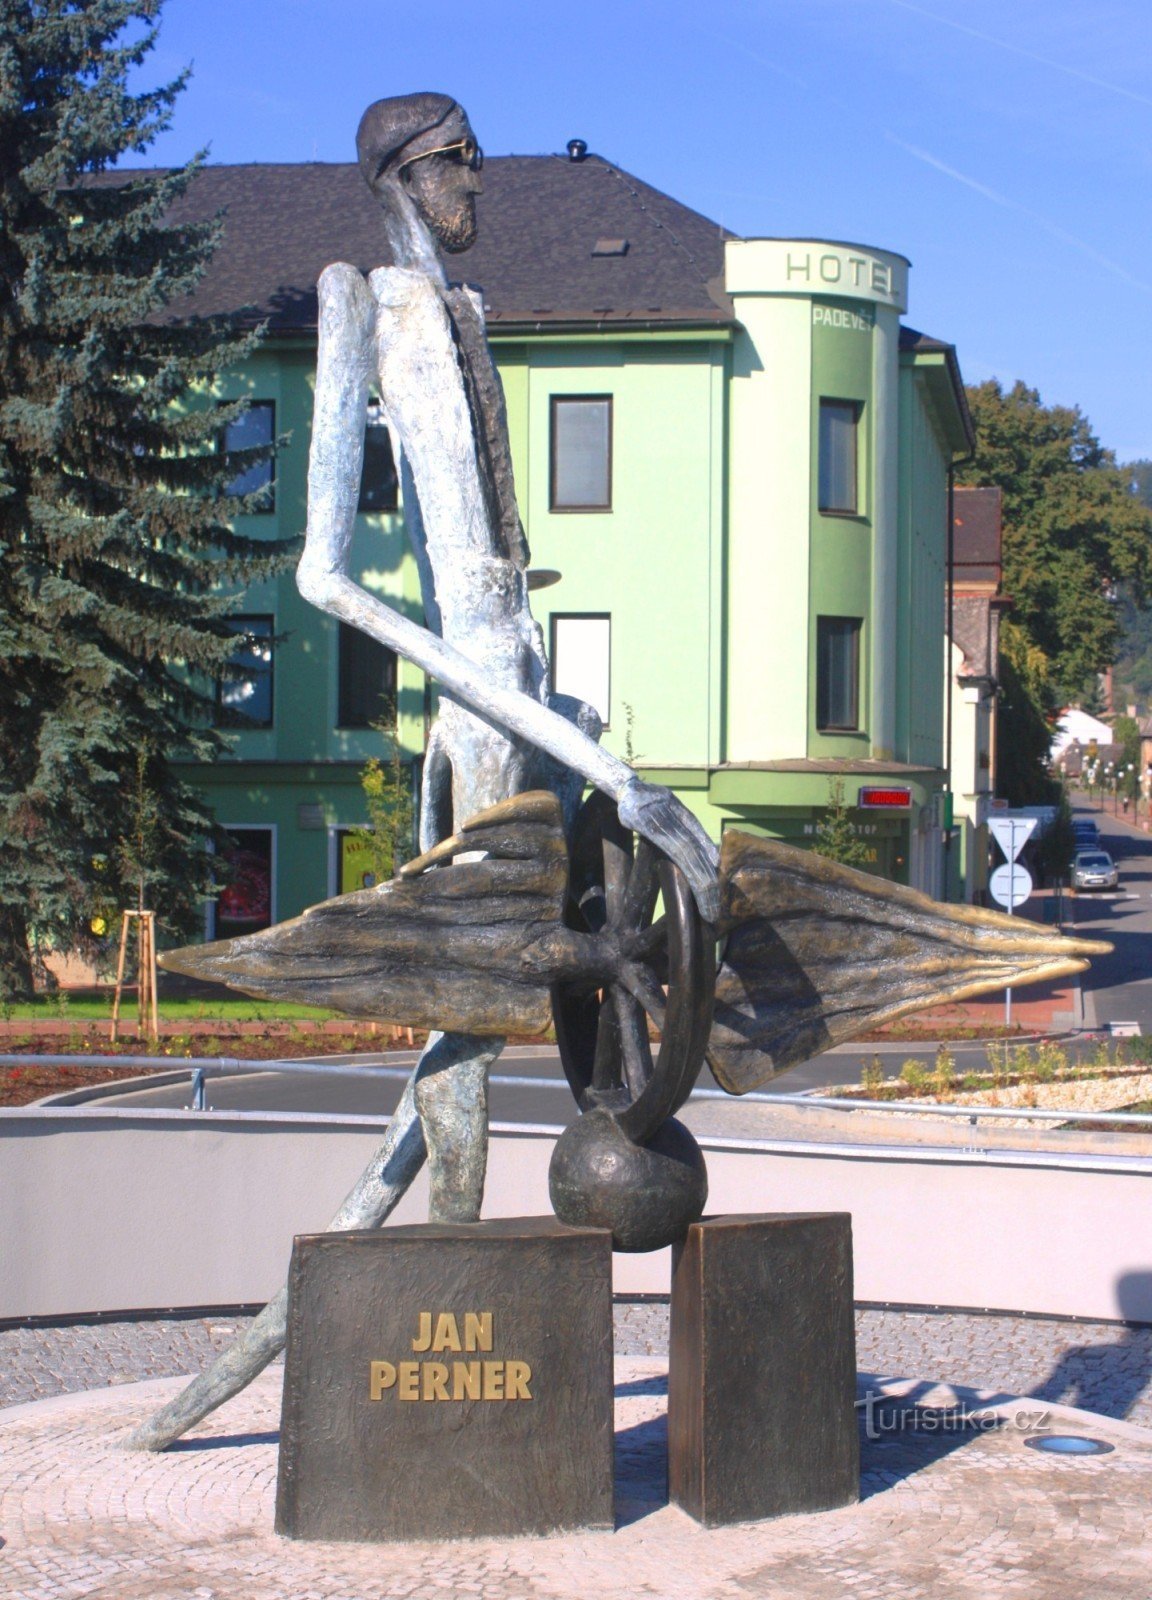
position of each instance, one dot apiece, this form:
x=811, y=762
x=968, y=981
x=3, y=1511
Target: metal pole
x=1011, y=907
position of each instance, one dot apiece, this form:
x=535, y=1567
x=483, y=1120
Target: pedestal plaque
x=762, y=1368
x=447, y=1382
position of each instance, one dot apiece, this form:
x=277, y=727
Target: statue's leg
x=452, y=1101
x=384, y=1181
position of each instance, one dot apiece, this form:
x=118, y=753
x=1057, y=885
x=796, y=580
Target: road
x=529, y=1086
x=1120, y=985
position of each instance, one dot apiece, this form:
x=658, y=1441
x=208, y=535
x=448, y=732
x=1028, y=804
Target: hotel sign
x=817, y=267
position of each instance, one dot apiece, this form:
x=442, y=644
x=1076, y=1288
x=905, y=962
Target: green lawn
x=96, y=1007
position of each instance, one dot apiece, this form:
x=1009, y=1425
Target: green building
x=730, y=451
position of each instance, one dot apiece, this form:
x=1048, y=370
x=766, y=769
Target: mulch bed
x=244, y=1041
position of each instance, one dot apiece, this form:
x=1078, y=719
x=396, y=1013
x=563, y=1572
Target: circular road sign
x=1010, y=884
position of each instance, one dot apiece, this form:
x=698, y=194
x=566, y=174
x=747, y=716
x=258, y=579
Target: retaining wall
x=104, y=1210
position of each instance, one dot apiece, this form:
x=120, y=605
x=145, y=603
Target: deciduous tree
x=1073, y=528
x=1075, y=535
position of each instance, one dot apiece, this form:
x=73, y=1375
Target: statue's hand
x=658, y=816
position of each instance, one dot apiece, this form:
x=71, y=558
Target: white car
x=1094, y=869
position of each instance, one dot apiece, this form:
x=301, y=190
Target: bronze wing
x=818, y=953
x=432, y=948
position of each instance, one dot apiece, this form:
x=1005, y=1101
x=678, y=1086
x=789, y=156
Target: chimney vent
x=577, y=149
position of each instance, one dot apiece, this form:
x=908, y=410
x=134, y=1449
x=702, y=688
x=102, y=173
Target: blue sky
x=1005, y=148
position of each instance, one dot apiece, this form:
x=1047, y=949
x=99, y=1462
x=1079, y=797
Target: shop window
x=582, y=660
x=366, y=680
x=580, y=453
x=254, y=429
x=838, y=673
x=244, y=903
x=244, y=695
x=838, y=491
x=379, y=482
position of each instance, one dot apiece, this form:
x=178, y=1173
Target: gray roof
x=561, y=242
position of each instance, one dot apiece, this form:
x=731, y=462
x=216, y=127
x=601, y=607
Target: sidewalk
x=1039, y=1008
x=951, y=1506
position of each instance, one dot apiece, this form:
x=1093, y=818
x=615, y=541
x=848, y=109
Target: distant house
x=729, y=449
x=976, y=607
x=1079, y=728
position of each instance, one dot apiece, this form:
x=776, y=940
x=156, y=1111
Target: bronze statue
x=548, y=907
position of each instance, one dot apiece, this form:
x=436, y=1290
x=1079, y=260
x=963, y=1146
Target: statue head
x=423, y=145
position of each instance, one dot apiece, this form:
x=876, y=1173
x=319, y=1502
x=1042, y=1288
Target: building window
x=378, y=480
x=838, y=488
x=580, y=461
x=255, y=428
x=366, y=680
x=244, y=903
x=838, y=673
x=244, y=696
x=582, y=660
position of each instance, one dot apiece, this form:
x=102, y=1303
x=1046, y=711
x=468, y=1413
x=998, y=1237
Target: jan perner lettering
x=443, y=1333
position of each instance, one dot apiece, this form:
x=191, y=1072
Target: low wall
x=104, y=1210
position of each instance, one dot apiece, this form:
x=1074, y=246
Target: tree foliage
x=1134, y=660
x=116, y=540
x=388, y=798
x=1028, y=706
x=836, y=836
x=1073, y=528
x=1076, y=537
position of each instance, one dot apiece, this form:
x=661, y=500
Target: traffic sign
x=1011, y=833
x=1010, y=885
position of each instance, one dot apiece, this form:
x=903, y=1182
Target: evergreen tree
x=116, y=545
x=836, y=836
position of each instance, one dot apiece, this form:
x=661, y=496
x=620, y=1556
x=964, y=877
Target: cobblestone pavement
x=949, y=1516
x=1098, y=1367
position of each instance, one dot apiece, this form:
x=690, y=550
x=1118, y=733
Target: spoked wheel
x=602, y=1027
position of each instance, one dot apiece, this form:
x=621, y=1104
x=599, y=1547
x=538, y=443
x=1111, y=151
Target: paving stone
x=82, y=1517
x=1095, y=1366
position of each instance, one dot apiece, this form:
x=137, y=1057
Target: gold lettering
x=465, y=1380
x=423, y=1339
x=409, y=1386
x=477, y=1331
x=517, y=1375
x=493, y=1380
x=447, y=1335
x=381, y=1376
x=434, y=1381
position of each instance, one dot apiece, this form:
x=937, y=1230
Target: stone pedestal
x=762, y=1368
x=448, y=1382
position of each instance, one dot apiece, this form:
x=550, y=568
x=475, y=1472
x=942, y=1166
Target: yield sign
x=1011, y=833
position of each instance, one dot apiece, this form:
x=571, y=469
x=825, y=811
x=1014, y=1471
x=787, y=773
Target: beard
x=456, y=230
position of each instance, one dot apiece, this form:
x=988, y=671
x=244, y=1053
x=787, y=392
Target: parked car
x=1086, y=833
x=1094, y=869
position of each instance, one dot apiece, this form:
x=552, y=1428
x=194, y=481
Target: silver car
x=1094, y=869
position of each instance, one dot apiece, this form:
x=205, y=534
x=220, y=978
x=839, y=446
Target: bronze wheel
x=661, y=970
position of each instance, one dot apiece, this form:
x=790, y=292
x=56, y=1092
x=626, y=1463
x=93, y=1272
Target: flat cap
x=390, y=126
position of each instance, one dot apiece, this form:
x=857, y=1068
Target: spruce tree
x=116, y=544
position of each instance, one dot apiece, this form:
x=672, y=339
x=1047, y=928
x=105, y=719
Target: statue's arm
x=347, y=334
